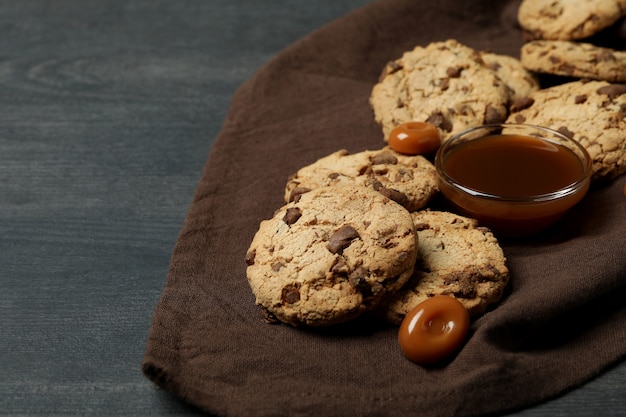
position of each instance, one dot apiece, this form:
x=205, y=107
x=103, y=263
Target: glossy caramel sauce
x=513, y=166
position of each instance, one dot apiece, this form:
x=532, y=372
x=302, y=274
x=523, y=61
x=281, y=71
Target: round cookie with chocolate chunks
x=567, y=19
x=456, y=258
x=591, y=112
x=574, y=59
x=446, y=84
x=331, y=256
x=410, y=180
x=511, y=71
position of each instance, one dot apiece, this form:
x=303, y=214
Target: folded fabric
x=561, y=322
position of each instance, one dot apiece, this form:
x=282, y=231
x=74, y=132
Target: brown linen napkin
x=561, y=322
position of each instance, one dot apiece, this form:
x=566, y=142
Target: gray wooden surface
x=108, y=110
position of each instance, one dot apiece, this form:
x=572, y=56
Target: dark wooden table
x=108, y=111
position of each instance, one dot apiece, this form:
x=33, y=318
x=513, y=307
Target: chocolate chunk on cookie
x=456, y=258
x=446, y=84
x=410, y=180
x=567, y=19
x=591, y=112
x=574, y=59
x=331, y=255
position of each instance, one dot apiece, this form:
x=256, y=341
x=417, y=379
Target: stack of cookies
x=451, y=86
x=355, y=236
x=590, y=104
x=455, y=87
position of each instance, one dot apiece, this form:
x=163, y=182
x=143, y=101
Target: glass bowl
x=516, y=179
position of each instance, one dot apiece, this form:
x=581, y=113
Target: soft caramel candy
x=434, y=330
x=414, y=138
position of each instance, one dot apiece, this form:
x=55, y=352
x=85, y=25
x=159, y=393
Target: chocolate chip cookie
x=456, y=258
x=511, y=71
x=574, y=59
x=446, y=84
x=410, y=180
x=591, y=112
x=567, y=19
x=331, y=255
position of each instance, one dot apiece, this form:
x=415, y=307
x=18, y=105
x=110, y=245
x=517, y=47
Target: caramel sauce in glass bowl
x=515, y=179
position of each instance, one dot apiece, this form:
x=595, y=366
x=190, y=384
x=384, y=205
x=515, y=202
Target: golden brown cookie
x=511, y=71
x=568, y=19
x=456, y=258
x=331, y=256
x=591, y=112
x=410, y=180
x=574, y=59
x=446, y=84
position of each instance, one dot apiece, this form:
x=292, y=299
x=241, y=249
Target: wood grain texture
x=108, y=111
